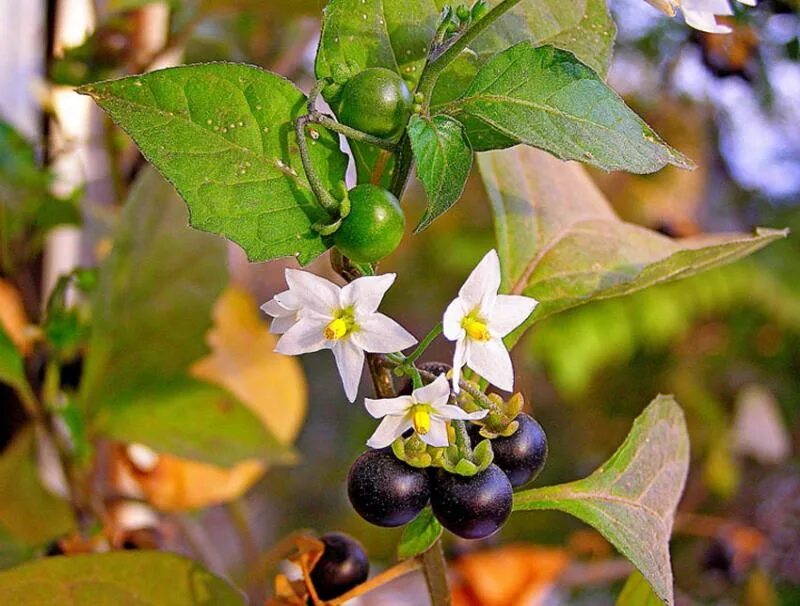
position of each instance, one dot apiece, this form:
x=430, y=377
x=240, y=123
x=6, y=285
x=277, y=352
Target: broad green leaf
x=637, y=592
x=221, y=134
x=592, y=39
x=544, y=97
x=560, y=242
x=151, y=309
x=444, y=159
x=419, y=535
x=631, y=498
x=30, y=516
x=12, y=368
x=123, y=578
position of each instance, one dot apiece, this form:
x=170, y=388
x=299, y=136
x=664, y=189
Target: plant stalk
x=435, y=568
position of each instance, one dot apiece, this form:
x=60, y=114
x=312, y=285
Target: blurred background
x=726, y=343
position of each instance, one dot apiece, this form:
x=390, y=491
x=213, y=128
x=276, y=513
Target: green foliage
x=151, y=310
x=116, y=579
x=444, y=159
x=12, y=368
x=419, y=535
x=560, y=242
x=637, y=592
x=221, y=133
x=30, y=516
x=631, y=499
x=544, y=97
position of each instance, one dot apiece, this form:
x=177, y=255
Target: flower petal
x=282, y=324
x=313, y=292
x=274, y=308
x=437, y=434
x=510, y=311
x=366, y=293
x=388, y=406
x=389, y=430
x=717, y=7
x=435, y=393
x=448, y=411
x=459, y=359
x=350, y=362
x=451, y=321
x=491, y=360
x=304, y=337
x=705, y=22
x=483, y=283
x=378, y=333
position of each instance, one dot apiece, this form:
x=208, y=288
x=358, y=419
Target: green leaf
x=12, y=368
x=631, y=498
x=444, y=159
x=221, y=134
x=546, y=98
x=592, y=39
x=30, y=515
x=123, y=578
x=151, y=309
x=419, y=535
x=560, y=242
x=637, y=592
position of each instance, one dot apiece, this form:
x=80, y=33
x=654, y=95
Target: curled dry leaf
x=243, y=362
x=304, y=551
x=13, y=318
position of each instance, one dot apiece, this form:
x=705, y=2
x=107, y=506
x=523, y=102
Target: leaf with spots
x=221, y=134
x=560, y=241
x=544, y=97
x=123, y=578
x=631, y=499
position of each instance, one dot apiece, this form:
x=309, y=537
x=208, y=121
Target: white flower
x=342, y=319
x=285, y=311
x=426, y=410
x=700, y=14
x=479, y=319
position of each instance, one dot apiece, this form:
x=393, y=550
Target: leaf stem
x=350, y=132
x=435, y=568
x=424, y=344
x=326, y=200
x=390, y=574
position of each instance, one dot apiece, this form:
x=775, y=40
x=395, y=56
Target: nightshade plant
x=423, y=84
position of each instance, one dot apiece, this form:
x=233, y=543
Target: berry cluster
x=388, y=492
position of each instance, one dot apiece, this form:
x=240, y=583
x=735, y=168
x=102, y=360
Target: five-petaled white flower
x=342, y=319
x=426, y=410
x=285, y=311
x=700, y=14
x=479, y=319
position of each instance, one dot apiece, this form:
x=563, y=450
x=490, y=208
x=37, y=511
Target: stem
x=479, y=397
x=435, y=568
x=326, y=200
x=349, y=132
x=435, y=332
x=462, y=439
x=388, y=575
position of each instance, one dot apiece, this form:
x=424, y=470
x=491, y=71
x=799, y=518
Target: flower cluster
x=315, y=314
x=700, y=14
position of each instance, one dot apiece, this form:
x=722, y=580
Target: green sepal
x=482, y=457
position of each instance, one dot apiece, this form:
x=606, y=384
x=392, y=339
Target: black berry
x=343, y=566
x=522, y=454
x=385, y=491
x=474, y=507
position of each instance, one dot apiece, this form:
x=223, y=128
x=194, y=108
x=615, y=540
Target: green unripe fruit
x=375, y=101
x=374, y=227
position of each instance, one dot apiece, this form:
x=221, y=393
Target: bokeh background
x=726, y=343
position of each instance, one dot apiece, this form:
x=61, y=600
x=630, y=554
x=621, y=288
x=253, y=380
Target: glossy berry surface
x=374, y=227
x=343, y=566
x=474, y=507
x=522, y=454
x=375, y=101
x=385, y=491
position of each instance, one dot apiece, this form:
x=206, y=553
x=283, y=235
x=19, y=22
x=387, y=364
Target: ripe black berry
x=385, y=491
x=343, y=565
x=522, y=454
x=472, y=508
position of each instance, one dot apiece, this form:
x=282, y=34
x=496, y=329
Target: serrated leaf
x=637, y=592
x=150, y=312
x=560, y=242
x=631, y=499
x=123, y=578
x=30, y=515
x=444, y=159
x=546, y=98
x=419, y=535
x=221, y=134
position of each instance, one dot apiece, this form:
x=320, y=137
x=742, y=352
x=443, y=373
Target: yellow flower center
x=341, y=325
x=476, y=327
x=421, y=418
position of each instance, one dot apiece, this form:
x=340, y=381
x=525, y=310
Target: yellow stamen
x=421, y=419
x=476, y=328
x=336, y=329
